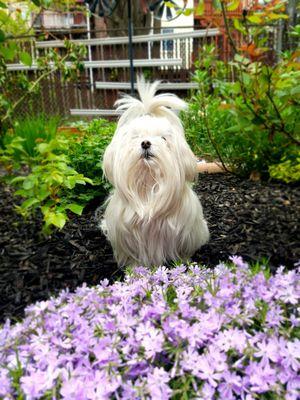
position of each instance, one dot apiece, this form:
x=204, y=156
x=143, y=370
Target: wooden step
x=94, y=112
x=154, y=62
x=162, y=86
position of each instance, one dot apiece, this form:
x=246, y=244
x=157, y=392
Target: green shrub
x=58, y=175
x=251, y=123
x=288, y=169
x=25, y=135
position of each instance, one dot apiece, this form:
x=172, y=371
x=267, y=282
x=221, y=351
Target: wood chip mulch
x=253, y=219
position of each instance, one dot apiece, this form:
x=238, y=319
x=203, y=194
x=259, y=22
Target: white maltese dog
x=152, y=215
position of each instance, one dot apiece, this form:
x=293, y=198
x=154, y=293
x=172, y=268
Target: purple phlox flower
x=129, y=391
x=293, y=388
x=157, y=384
x=105, y=353
x=161, y=275
x=177, y=272
x=201, y=366
x=176, y=328
x=200, y=274
x=291, y=355
x=198, y=334
x=183, y=292
x=5, y=384
x=274, y=316
x=286, y=287
x=5, y=333
x=104, y=283
x=64, y=343
x=190, y=360
x=185, y=309
x=295, y=321
x=83, y=340
x=233, y=308
x=262, y=287
x=151, y=339
x=261, y=376
x=227, y=289
x=38, y=382
x=290, y=295
x=150, y=312
x=103, y=385
x=217, y=358
x=238, y=261
x=125, y=323
x=141, y=271
x=232, y=385
x=213, y=320
x=221, y=269
x=207, y=392
x=74, y=388
x=115, y=309
x=268, y=349
x=110, y=325
x=40, y=307
x=208, y=370
x=284, y=375
x=137, y=368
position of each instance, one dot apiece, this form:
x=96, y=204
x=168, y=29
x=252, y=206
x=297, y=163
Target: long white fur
x=152, y=215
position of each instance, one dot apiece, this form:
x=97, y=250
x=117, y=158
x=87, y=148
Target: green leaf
x=2, y=5
x=238, y=25
x=200, y=8
x=217, y=5
x=25, y=58
x=188, y=11
x=2, y=36
x=43, y=147
x=274, y=16
x=56, y=219
x=169, y=4
x=29, y=203
x=75, y=208
x=255, y=19
x=36, y=2
x=28, y=184
x=233, y=5
x=9, y=52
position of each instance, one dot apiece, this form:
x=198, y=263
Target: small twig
x=227, y=26
x=211, y=137
x=43, y=76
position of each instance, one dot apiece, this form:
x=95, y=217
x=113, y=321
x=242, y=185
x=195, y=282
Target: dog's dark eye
x=164, y=138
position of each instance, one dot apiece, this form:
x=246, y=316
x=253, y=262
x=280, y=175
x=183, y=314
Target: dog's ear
x=107, y=163
x=187, y=159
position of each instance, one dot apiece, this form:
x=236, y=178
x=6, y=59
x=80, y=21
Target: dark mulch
x=251, y=219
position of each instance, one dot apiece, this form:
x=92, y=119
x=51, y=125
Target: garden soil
x=253, y=219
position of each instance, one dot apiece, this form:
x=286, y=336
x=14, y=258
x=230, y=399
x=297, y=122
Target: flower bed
x=184, y=333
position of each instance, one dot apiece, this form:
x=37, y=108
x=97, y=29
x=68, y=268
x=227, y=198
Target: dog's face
x=149, y=146
x=149, y=162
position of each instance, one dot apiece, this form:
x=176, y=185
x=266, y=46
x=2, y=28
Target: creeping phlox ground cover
x=184, y=333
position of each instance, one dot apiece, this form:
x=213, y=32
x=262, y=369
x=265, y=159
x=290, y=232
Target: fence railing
x=168, y=57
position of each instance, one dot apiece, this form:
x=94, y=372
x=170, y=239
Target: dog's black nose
x=146, y=144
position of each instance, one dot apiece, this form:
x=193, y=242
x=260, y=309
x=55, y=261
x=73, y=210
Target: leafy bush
x=15, y=27
x=55, y=171
x=250, y=123
x=185, y=333
x=86, y=153
x=288, y=170
x=26, y=133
